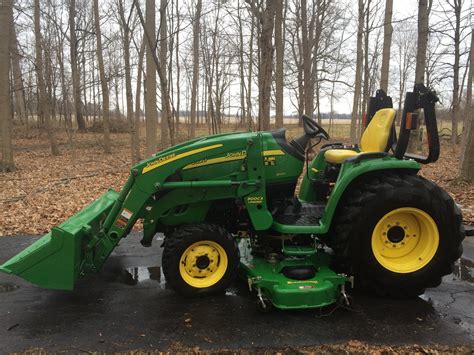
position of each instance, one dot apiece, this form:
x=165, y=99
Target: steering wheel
x=313, y=129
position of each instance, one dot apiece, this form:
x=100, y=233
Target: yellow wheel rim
x=203, y=264
x=405, y=240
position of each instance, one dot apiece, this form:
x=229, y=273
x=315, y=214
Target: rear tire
x=397, y=234
x=200, y=259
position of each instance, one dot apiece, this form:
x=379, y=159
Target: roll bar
x=425, y=99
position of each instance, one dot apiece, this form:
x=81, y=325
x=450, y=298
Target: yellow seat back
x=375, y=136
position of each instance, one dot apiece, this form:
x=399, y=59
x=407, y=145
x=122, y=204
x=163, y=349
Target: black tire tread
x=339, y=236
x=180, y=235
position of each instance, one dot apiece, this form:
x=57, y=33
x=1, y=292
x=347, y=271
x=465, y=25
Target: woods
x=182, y=69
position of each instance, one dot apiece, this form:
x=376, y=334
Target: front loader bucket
x=55, y=260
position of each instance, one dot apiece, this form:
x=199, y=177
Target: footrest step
x=298, y=251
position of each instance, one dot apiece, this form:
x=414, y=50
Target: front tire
x=200, y=259
x=397, y=234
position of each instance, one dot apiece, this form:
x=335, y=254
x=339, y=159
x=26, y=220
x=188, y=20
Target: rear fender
x=351, y=172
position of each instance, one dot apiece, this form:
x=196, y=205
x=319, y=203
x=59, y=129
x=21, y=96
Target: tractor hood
x=195, y=143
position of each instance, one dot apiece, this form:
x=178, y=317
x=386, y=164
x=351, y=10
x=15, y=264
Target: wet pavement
x=127, y=306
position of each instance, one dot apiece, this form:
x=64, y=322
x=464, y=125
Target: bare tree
x=195, y=80
x=240, y=26
x=387, y=42
x=307, y=40
x=456, y=6
x=266, y=17
x=43, y=108
x=161, y=70
x=279, y=52
x=326, y=20
x=370, y=57
x=103, y=79
x=466, y=169
x=265, y=72
x=17, y=76
x=81, y=123
x=166, y=121
x=424, y=8
x=136, y=132
x=6, y=17
x=128, y=77
x=404, y=47
x=358, y=76
x=249, y=75
x=151, y=113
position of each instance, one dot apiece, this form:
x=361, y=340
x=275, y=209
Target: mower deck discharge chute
x=227, y=207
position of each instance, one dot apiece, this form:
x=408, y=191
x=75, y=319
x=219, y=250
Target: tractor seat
x=374, y=138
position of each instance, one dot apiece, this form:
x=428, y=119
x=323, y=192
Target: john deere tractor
x=227, y=206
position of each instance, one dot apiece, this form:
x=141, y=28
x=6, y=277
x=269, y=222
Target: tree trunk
x=279, y=51
x=64, y=92
x=466, y=170
x=166, y=122
x=43, y=110
x=6, y=17
x=387, y=42
x=424, y=7
x=76, y=85
x=243, y=109
x=151, y=113
x=195, y=81
x=457, y=42
x=178, y=72
x=160, y=69
x=365, y=87
x=20, y=105
x=358, y=77
x=128, y=78
x=265, y=71
x=103, y=79
x=316, y=28
x=307, y=75
x=136, y=136
x=249, y=77
x=423, y=18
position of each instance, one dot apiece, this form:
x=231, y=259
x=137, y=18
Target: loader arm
x=83, y=243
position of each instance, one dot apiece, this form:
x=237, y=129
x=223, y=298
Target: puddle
x=231, y=292
x=464, y=270
x=134, y=275
x=5, y=287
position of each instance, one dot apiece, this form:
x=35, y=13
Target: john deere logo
x=154, y=164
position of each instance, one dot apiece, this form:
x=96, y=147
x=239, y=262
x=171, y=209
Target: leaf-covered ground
x=351, y=347
x=45, y=190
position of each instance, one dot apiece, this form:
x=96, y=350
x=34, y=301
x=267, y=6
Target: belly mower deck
x=293, y=282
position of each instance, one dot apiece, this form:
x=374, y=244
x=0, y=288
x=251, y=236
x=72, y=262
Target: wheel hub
x=202, y=261
x=203, y=264
x=405, y=240
x=396, y=234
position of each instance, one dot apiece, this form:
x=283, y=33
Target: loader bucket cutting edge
x=54, y=261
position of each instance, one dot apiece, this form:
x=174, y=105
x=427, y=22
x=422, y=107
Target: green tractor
x=227, y=207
